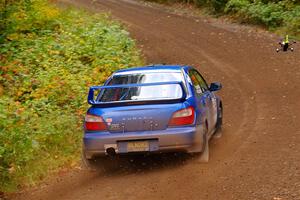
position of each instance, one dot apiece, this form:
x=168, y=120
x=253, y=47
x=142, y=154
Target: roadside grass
x=48, y=59
x=282, y=17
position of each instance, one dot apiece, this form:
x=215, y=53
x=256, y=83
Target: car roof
x=150, y=68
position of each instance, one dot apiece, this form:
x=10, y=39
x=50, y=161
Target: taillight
x=94, y=123
x=183, y=117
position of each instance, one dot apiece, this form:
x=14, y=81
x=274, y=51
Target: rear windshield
x=154, y=92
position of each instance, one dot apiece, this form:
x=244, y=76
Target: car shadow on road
x=140, y=163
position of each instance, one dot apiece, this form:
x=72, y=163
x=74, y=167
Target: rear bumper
x=188, y=139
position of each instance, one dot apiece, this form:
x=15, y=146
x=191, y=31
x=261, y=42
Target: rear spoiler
x=92, y=101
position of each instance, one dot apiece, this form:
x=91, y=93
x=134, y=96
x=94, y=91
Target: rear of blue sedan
x=144, y=110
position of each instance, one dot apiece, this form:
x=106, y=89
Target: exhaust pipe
x=111, y=152
x=111, y=149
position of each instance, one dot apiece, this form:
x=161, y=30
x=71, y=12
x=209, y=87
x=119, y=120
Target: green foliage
x=219, y=5
x=26, y=16
x=258, y=13
x=48, y=59
x=291, y=22
x=282, y=15
x=236, y=6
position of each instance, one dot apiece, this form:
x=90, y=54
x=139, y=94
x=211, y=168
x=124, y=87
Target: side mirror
x=215, y=86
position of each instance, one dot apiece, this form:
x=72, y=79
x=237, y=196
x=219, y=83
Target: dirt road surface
x=258, y=156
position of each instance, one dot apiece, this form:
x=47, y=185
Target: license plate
x=138, y=146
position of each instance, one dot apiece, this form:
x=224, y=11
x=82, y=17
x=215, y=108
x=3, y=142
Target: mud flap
x=204, y=157
x=218, y=129
x=198, y=141
x=87, y=164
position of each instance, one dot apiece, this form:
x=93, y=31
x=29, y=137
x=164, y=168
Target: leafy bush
x=236, y=6
x=26, y=16
x=269, y=14
x=283, y=15
x=48, y=59
x=291, y=21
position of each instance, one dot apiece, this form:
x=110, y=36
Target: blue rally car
x=152, y=109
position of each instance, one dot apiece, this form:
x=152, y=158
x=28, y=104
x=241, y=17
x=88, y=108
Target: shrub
x=25, y=16
x=269, y=14
x=291, y=21
x=236, y=6
x=48, y=59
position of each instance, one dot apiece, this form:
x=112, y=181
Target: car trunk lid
x=137, y=117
